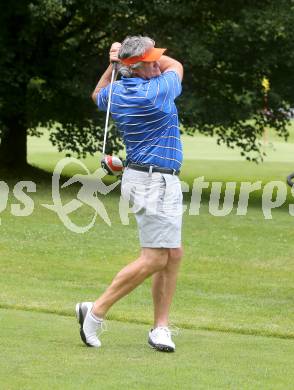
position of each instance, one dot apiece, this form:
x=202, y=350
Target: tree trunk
x=13, y=146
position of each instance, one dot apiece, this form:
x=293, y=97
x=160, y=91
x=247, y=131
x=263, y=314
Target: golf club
x=290, y=180
x=111, y=164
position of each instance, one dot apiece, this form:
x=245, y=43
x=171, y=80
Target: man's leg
x=150, y=261
x=164, y=285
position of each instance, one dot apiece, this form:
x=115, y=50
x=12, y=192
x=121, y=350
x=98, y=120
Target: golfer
x=143, y=107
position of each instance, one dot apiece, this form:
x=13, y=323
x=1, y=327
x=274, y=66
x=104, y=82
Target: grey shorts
x=156, y=200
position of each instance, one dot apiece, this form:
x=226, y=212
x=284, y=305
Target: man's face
x=148, y=70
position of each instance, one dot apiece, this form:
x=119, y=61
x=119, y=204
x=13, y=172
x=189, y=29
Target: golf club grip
x=114, y=67
x=290, y=180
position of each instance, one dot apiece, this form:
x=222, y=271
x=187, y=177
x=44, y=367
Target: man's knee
x=155, y=259
x=175, y=254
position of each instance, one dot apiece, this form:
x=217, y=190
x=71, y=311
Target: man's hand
x=106, y=77
x=113, y=52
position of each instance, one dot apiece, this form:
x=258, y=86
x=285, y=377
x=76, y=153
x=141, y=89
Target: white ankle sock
x=97, y=319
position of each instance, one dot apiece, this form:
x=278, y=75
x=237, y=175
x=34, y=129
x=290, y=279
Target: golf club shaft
x=108, y=106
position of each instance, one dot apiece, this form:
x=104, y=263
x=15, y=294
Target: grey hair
x=133, y=46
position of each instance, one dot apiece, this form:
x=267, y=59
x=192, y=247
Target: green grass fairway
x=234, y=302
x=46, y=354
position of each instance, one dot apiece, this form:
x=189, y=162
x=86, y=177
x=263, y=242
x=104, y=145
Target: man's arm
x=167, y=64
x=103, y=82
x=106, y=77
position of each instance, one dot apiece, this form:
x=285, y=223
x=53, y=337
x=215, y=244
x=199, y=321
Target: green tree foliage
x=227, y=47
x=52, y=53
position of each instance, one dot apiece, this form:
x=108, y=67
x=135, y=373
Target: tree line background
x=52, y=53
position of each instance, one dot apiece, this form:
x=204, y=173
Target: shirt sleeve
x=102, y=98
x=164, y=89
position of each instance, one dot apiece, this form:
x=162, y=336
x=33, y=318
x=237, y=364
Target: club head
x=112, y=165
x=290, y=180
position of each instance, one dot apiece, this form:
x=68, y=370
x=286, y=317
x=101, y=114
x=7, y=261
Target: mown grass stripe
x=183, y=325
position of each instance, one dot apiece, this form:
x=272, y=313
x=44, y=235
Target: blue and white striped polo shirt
x=147, y=117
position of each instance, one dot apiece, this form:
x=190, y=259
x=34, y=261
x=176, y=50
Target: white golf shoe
x=89, y=325
x=160, y=339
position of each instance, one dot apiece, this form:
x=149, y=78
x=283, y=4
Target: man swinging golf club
x=143, y=107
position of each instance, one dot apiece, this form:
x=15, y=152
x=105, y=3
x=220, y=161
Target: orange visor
x=151, y=55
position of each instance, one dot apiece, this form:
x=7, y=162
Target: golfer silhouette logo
x=92, y=184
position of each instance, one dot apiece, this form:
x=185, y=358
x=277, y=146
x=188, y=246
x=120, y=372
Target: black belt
x=152, y=168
